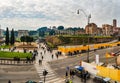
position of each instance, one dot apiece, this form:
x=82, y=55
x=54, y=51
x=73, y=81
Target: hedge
x=4, y=54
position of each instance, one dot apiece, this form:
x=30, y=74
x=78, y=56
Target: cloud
x=21, y=14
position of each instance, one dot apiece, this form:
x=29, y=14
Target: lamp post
x=88, y=21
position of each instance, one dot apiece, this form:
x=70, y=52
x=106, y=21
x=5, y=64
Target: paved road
x=59, y=66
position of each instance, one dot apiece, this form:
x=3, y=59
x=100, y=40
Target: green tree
x=41, y=33
x=60, y=27
x=12, y=38
x=7, y=37
x=27, y=39
x=52, y=32
x=22, y=38
x=65, y=40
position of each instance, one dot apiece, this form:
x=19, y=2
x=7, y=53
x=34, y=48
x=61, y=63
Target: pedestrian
x=9, y=81
x=57, y=56
x=42, y=57
x=67, y=68
x=73, y=73
x=70, y=74
x=41, y=53
x=44, y=51
x=52, y=56
x=40, y=61
x=82, y=72
x=84, y=76
x=66, y=74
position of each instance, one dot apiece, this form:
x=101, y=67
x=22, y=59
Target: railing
x=5, y=61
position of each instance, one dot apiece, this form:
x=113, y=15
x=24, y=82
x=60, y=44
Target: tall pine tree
x=12, y=38
x=7, y=37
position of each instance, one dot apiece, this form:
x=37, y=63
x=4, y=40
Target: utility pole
x=88, y=21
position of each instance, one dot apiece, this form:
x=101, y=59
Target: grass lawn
x=4, y=54
x=5, y=46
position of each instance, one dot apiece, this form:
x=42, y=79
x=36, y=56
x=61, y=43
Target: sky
x=32, y=14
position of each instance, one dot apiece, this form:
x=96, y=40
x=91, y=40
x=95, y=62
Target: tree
x=29, y=39
x=12, y=39
x=52, y=32
x=65, y=40
x=22, y=39
x=60, y=27
x=26, y=39
x=7, y=37
x=41, y=33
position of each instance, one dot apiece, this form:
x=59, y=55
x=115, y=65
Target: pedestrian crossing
x=51, y=77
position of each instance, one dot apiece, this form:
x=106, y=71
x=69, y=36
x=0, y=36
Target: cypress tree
x=12, y=39
x=7, y=37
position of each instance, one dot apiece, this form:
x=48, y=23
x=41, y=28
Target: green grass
x=5, y=46
x=102, y=36
x=4, y=54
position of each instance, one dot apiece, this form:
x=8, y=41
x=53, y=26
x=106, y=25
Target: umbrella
x=79, y=68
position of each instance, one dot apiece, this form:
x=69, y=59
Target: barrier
x=15, y=62
x=66, y=49
x=114, y=74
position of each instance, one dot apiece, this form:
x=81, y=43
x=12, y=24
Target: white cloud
x=21, y=14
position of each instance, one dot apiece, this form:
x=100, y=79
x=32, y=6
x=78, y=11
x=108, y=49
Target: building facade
x=91, y=29
x=107, y=29
x=22, y=33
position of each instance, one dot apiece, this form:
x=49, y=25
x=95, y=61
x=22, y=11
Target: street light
x=88, y=21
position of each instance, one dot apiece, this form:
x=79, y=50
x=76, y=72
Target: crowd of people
x=45, y=50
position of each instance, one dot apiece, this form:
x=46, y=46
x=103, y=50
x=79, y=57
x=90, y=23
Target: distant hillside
x=75, y=40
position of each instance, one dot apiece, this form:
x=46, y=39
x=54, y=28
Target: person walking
x=70, y=74
x=40, y=62
x=52, y=56
x=67, y=68
x=41, y=53
x=66, y=74
x=44, y=51
x=42, y=57
x=9, y=81
x=73, y=73
x=57, y=56
x=82, y=76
